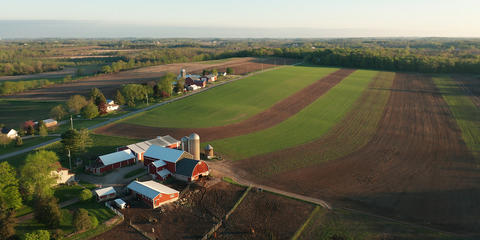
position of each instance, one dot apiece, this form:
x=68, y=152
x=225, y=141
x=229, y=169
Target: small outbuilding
x=153, y=193
x=103, y=194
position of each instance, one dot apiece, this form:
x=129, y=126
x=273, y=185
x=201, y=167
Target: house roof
x=186, y=166
x=163, y=173
x=116, y=157
x=159, y=163
x=162, y=153
x=104, y=191
x=6, y=130
x=150, y=189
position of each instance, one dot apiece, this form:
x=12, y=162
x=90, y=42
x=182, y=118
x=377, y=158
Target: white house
x=111, y=106
x=63, y=176
x=9, y=132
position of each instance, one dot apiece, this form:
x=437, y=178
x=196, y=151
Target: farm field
x=318, y=118
x=269, y=216
x=15, y=112
x=276, y=88
x=26, y=143
x=108, y=84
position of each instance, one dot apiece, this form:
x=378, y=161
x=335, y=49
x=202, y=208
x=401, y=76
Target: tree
x=119, y=99
x=81, y=220
x=97, y=96
x=58, y=234
x=8, y=221
x=179, y=86
x=38, y=235
x=76, y=103
x=58, y=112
x=94, y=221
x=36, y=177
x=42, y=130
x=9, y=194
x=106, y=69
x=47, y=211
x=75, y=140
x=215, y=72
x=4, y=140
x=31, y=130
x=85, y=194
x=229, y=70
x=18, y=141
x=90, y=110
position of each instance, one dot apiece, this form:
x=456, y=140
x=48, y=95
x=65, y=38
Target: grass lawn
x=26, y=143
x=232, y=102
x=464, y=110
x=16, y=112
x=307, y=125
x=343, y=224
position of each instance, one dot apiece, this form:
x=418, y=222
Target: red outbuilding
x=153, y=193
x=112, y=161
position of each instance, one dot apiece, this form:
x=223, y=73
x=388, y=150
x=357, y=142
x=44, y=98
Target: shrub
x=85, y=194
x=81, y=220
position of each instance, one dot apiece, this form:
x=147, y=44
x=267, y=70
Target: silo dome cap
x=194, y=136
x=209, y=147
x=184, y=138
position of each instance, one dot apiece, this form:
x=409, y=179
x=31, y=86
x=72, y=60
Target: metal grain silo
x=184, y=141
x=194, y=146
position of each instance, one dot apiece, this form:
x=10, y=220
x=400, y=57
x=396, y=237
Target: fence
x=114, y=210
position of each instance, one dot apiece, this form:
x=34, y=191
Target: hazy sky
x=454, y=18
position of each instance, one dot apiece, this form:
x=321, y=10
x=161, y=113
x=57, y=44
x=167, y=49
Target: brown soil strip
x=268, y=118
x=416, y=166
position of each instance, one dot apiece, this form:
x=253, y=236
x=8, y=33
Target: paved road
x=61, y=205
x=111, y=120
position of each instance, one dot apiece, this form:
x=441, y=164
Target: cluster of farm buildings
x=163, y=157
x=194, y=82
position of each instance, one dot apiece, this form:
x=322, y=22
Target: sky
x=245, y=18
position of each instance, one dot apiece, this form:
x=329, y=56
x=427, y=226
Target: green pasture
x=15, y=112
x=232, y=102
x=307, y=125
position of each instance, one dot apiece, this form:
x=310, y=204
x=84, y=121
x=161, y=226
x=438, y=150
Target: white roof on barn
x=159, y=163
x=162, y=153
x=116, y=157
x=104, y=191
x=163, y=173
x=151, y=189
x=159, y=141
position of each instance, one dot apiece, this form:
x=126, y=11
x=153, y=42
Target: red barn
x=153, y=193
x=189, y=170
x=112, y=161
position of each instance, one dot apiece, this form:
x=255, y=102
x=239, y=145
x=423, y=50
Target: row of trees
x=27, y=67
x=12, y=87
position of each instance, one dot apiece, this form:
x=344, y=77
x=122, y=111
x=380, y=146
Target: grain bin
x=209, y=151
x=184, y=141
x=194, y=146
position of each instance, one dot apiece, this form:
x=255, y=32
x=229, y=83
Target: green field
x=233, y=102
x=307, y=125
x=15, y=112
x=26, y=143
x=464, y=110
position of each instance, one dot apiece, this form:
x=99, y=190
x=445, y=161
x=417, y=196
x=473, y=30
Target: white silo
x=184, y=141
x=194, y=146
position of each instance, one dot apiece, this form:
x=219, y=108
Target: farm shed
x=189, y=170
x=140, y=148
x=168, y=155
x=103, y=194
x=153, y=193
x=112, y=161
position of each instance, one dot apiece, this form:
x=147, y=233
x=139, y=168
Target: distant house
x=111, y=106
x=49, y=122
x=112, y=161
x=103, y=194
x=63, y=175
x=139, y=148
x=153, y=193
x=9, y=132
x=209, y=78
x=197, y=80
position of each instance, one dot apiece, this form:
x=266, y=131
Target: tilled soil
x=109, y=83
x=416, y=167
x=268, y=118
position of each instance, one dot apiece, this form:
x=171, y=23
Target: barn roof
x=162, y=153
x=160, y=141
x=150, y=189
x=164, y=173
x=186, y=166
x=116, y=157
x=104, y=191
x=158, y=163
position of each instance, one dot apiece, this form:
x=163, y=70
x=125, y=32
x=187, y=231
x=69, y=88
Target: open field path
x=416, y=167
x=109, y=83
x=277, y=113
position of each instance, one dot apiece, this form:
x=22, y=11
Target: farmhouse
x=139, y=148
x=153, y=193
x=103, y=194
x=63, y=176
x=189, y=170
x=112, y=161
x=111, y=106
x=9, y=132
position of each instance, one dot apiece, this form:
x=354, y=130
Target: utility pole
x=71, y=122
x=70, y=159
x=146, y=95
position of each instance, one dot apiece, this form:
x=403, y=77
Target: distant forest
x=426, y=55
